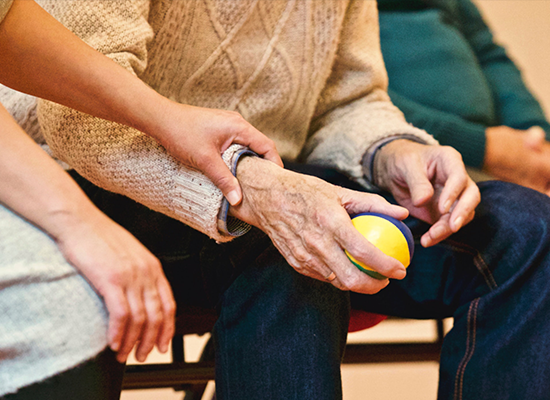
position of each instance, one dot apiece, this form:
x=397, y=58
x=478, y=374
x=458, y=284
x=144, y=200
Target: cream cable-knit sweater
x=307, y=73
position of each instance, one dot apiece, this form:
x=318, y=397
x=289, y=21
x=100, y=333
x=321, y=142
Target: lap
x=439, y=280
x=510, y=227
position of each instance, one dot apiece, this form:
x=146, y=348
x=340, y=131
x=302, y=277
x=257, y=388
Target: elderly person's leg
x=280, y=335
x=492, y=277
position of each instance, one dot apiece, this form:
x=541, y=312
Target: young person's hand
x=130, y=279
x=197, y=137
x=59, y=67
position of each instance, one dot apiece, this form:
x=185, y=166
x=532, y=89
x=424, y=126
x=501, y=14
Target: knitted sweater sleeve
x=516, y=107
x=355, y=111
x=116, y=157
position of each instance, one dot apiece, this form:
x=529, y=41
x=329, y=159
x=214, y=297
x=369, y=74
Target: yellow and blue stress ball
x=390, y=235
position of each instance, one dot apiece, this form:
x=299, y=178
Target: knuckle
x=153, y=262
x=301, y=255
x=118, y=275
x=155, y=320
x=349, y=281
x=171, y=308
x=121, y=313
x=451, y=152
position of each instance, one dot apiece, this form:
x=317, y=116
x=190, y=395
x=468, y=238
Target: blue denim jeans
x=281, y=335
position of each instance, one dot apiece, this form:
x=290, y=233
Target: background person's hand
x=309, y=222
x=198, y=136
x=431, y=182
x=521, y=157
x=129, y=278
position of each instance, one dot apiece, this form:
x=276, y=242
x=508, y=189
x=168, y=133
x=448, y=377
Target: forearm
x=41, y=57
x=33, y=185
x=515, y=105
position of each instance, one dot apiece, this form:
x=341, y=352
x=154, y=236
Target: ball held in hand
x=390, y=235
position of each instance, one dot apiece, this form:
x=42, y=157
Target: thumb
x=216, y=170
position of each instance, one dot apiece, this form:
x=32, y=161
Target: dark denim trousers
x=281, y=335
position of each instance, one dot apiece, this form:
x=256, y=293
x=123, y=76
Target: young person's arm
x=128, y=277
x=39, y=56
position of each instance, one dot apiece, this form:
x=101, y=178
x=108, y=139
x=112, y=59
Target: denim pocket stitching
x=478, y=261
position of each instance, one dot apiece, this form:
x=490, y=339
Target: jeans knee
x=520, y=213
x=270, y=296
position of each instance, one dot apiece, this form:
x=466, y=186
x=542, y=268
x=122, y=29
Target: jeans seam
x=478, y=260
x=470, y=348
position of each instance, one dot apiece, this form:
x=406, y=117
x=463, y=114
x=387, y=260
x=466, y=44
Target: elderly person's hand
x=308, y=221
x=431, y=182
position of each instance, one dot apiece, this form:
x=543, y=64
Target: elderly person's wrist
x=370, y=163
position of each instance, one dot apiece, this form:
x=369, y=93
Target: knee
x=275, y=295
x=514, y=206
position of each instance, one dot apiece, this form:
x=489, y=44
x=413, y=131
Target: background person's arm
x=41, y=57
x=448, y=128
x=508, y=155
x=516, y=107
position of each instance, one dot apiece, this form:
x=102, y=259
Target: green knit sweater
x=449, y=77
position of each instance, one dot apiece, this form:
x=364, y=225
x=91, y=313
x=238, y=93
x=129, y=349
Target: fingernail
x=233, y=197
x=163, y=348
x=458, y=223
x=115, y=346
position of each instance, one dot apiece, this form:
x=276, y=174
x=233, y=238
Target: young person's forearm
x=32, y=184
x=39, y=56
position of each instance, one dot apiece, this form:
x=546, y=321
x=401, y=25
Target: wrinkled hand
x=517, y=156
x=308, y=221
x=431, y=182
x=198, y=136
x=128, y=277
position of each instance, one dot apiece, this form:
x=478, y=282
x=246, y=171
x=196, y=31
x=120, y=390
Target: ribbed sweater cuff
x=199, y=202
x=228, y=225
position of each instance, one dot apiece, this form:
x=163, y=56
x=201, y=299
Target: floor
x=411, y=381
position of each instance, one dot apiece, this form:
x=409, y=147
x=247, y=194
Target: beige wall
x=523, y=27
